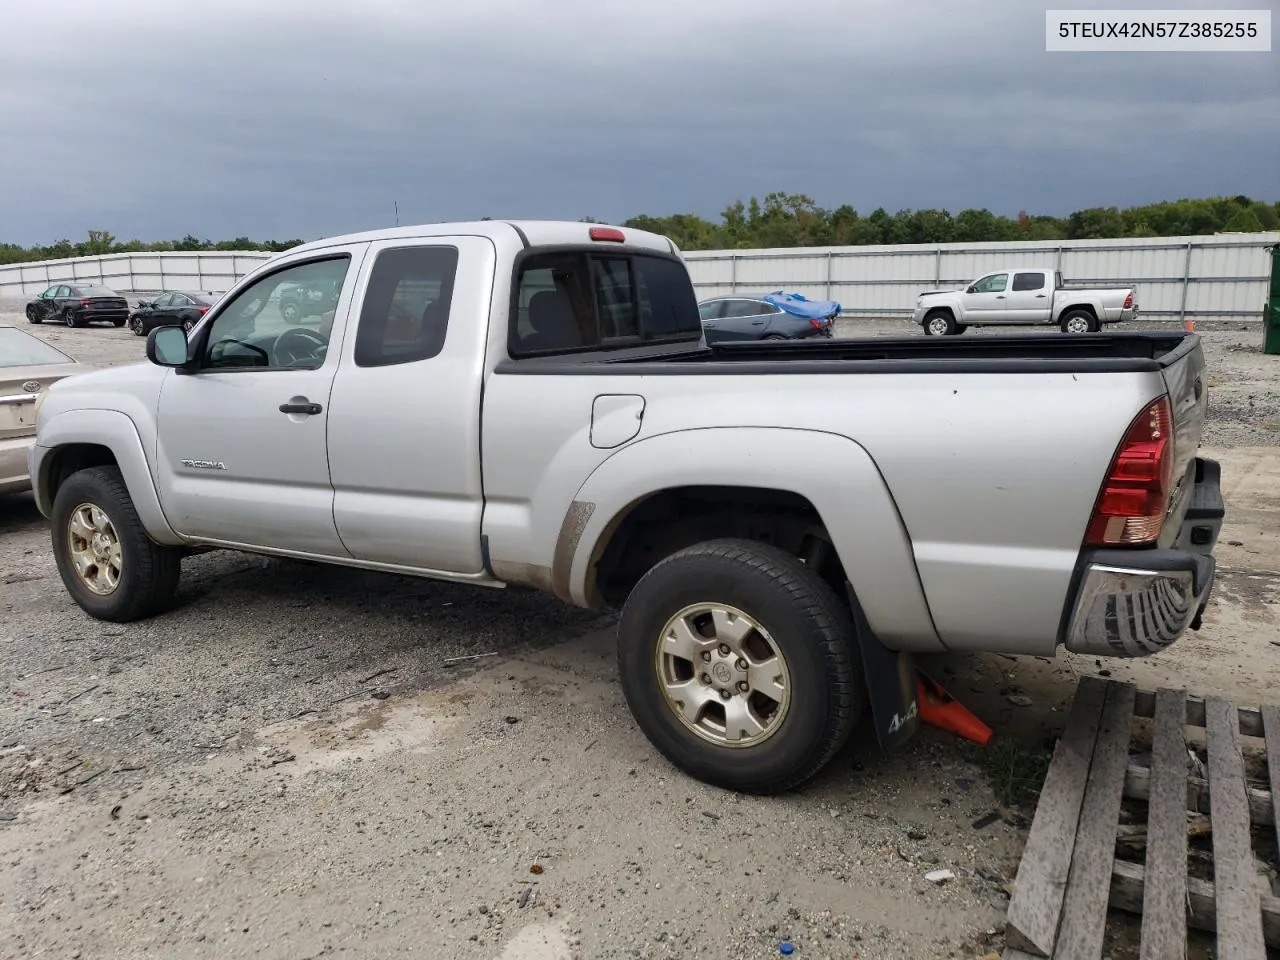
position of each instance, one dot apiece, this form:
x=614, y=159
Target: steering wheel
x=309, y=348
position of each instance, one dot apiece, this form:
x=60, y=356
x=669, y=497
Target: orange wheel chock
x=939, y=709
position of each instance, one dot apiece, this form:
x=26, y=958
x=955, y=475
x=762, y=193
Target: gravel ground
x=287, y=765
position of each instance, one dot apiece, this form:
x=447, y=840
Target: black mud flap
x=892, y=689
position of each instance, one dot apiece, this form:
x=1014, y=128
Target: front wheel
x=738, y=664
x=290, y=312
x=135, y=324
x=32, y=316
x=940, y=323
x=108, y=564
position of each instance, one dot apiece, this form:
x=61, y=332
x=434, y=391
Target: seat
x=554, y=325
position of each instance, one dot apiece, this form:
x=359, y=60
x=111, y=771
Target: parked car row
x=1013, y=297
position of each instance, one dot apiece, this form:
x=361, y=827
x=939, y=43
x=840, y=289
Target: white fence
x=1224, y=276
x=127, y=272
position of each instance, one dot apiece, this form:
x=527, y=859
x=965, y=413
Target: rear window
x=95, y=292
x=567, y=301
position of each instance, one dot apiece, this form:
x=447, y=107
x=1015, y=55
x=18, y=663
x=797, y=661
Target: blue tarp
x=800, y=306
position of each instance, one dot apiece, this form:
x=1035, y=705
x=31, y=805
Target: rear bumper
x=1133, y=603
x=14, y=456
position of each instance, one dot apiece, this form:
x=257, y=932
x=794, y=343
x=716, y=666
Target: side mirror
x=973, y=289
x=167, y=346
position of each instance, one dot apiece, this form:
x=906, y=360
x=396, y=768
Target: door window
x=162, y=301
x=746, y=308
x=406, y=307
x=710, y=311
x=1028, y=281
x=992, y=284
x=248, y=332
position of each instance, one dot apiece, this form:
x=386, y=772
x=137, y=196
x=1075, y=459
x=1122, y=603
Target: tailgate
x=1183, y=369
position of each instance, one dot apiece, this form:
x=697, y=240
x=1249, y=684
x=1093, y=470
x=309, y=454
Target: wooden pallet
x=1070, y=874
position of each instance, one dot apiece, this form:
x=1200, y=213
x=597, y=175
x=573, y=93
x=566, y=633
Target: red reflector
x=1128, y=301
x=1132, y=503
x=203, y=311
x=611, y=234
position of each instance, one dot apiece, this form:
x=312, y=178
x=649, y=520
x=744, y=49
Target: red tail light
x=612, y=234
x=85, y=303
x=1131, y=507
x=816, y=324
x=1128, y=301
x=203, y=311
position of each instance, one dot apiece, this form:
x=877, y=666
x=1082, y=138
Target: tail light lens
x=1131, y=506
x=1128, y=301
x=816, y=324
x=85, y=303
x=203, y=311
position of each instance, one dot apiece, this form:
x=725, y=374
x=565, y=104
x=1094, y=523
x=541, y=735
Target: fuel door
x=615, y=419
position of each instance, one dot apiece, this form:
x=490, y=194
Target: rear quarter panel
x=991, y=477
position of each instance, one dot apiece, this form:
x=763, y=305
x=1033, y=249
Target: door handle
x=758, y=323
x=304, y=407
x=1039, y=296
x=1001, y=297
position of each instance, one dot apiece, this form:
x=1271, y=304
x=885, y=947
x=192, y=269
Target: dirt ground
x=289, y=765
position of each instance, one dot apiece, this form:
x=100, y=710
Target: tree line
x=794, y=220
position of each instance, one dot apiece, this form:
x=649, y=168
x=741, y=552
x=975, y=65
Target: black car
x=171, y=309
x=300, y=301
x=78, y=304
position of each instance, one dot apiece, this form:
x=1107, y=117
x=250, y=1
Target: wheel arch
x=88, y=438
x=763, y=466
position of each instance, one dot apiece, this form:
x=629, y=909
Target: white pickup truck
x=532, y=404
x=1023, y=298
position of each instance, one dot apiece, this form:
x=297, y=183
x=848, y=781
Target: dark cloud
x=296, y=118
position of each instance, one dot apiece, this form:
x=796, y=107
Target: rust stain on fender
x=575, y=522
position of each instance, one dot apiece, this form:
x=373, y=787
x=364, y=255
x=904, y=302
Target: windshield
x=18, y=349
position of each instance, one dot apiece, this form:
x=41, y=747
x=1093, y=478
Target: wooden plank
x=1250, y=718
x=1137, y=785
x=1128, y=893
x=1164, y=908
x=1084, y=908
x=1271, y=727
x=1031, y=924
x=1235, y=883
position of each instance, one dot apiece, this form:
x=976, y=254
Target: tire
x=961, y=328
x=146, y=574
x=1078, y=321
x=773, y=336
x=812, y=634
x=135, y=324
x=118, y=323
x=31, y=315
x=939, y=323
x=290, y=312
x=188, y=325
x=70, y=319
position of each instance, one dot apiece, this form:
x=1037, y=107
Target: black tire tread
x=830, y=627
x=156, y=569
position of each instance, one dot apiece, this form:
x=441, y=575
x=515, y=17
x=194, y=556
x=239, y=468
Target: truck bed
x=1086, y=353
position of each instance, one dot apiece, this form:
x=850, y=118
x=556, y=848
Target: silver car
x=749, y=318
x=28, y=366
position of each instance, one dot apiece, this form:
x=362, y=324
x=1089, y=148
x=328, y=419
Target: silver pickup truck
x=1023, y=298
x=783, y=526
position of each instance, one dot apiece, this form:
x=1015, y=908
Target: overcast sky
x=304, y=118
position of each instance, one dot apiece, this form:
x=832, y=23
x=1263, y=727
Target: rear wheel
x=108, y=564
x=1079, y=321
x=71, y=320
x=737, y=662
x=939, y=323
